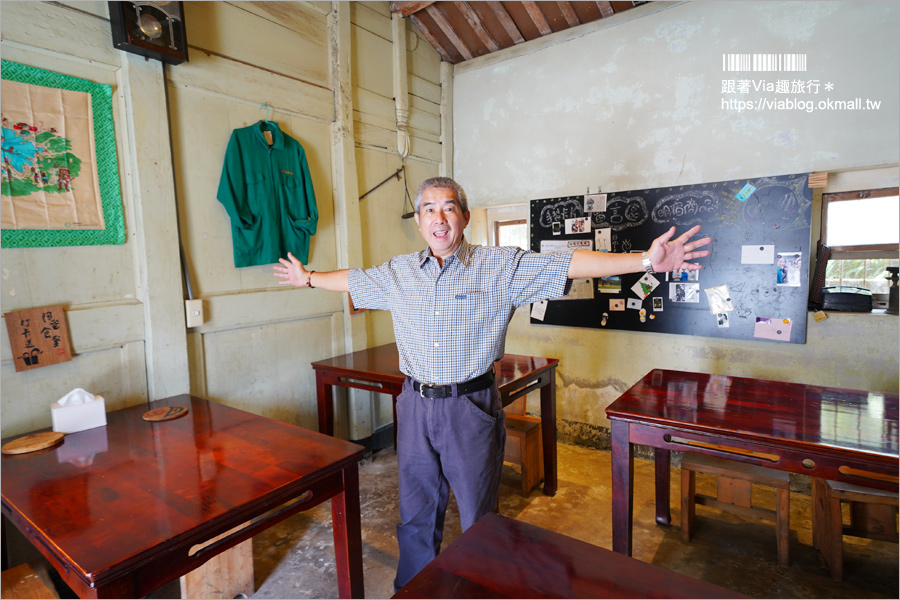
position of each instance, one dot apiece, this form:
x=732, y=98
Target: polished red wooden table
x=831, y=433
x=499, y=557
x=378, y=370
x=122, y=510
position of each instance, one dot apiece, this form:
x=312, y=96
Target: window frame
x=857, y=252
x=498, y=224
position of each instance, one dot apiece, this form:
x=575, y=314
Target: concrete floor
x=295, y=559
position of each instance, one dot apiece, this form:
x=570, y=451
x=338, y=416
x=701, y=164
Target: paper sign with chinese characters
x=38, y=337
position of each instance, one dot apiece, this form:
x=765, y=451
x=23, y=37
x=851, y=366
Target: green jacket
x=269, y=196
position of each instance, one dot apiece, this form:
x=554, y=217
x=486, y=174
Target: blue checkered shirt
x=450, y=323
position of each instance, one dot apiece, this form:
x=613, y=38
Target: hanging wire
x=407, y=200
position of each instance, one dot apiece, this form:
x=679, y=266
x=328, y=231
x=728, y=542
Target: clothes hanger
x=267, y=127
x=268, y=108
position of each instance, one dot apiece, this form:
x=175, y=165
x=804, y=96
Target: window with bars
x=862, y=228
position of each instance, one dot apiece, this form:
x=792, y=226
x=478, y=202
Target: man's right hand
x=292, y=272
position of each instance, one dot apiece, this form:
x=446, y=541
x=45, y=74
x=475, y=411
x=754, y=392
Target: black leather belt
x=446, y=391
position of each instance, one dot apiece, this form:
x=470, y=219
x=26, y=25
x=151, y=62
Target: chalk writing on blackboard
x=778, y=204
x=558, y=212
x=622, y=212
x=686, y=208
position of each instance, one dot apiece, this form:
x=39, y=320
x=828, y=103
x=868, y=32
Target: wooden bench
x=735, y=481
x=873, y=515
x=524, y=448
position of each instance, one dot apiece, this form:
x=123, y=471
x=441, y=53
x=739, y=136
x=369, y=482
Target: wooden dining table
x=377, y=369
x=121, y=510
x=825, y=432
x=499, y=557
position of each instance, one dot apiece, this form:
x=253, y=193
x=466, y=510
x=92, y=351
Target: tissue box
x=78, y=417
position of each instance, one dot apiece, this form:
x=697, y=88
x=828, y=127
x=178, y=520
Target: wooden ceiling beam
x=435, y=43
x=606, y=9
x=407, y=8
x=540, y=21
x=445, y=27
x=506, y=21
x=477, y=26
x=569, y=13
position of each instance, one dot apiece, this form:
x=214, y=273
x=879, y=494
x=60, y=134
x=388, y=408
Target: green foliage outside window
x=866, y=273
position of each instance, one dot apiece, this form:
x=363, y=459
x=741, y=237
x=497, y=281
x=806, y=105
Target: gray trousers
x=444, y=443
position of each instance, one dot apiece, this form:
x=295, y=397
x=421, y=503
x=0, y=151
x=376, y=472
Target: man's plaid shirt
x=450, y=323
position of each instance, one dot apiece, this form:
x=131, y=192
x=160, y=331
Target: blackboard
x=754, y=285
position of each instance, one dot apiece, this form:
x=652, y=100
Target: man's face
x=441, y=221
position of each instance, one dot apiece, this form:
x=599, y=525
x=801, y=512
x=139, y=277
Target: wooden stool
x=26, y=582
x=524, y=447
x=225, y=575
x=873, y=515
x=735, y=480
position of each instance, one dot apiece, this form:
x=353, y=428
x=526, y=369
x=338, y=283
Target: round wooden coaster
x=33, y=442
x=165, y=413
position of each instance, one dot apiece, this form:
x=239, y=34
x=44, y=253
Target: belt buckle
x=422, y=387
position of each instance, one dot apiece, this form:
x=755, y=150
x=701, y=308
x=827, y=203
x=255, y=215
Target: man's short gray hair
x=443, y=183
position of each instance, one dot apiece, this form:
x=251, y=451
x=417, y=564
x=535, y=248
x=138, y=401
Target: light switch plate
x=194, y=311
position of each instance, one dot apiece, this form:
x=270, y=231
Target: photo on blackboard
x=595, y=203
x=681, y=275
x=617, y=304
x=657, y=303
x=609, y=285
x=578, y=225
x=787, y=271
x=684, y=292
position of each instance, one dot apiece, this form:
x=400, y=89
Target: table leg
x=663, y=515
x=622, y=487
x=548, y=432
x=348, y=536
x=4, y=558
x=326, y=404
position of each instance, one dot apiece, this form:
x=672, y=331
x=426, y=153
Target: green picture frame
x=106, y=157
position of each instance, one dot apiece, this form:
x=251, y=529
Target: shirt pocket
x=296, y=204
x=470, y=308
x=256, y=190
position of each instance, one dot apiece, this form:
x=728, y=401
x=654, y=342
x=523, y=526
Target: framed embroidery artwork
x=60, y=176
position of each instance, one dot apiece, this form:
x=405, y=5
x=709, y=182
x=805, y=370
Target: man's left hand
x=667, y=254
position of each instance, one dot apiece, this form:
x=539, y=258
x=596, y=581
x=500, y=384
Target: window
x=511, y=233
x=862, y=228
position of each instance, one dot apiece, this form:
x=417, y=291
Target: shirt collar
x=277, y=136
x=463, y=253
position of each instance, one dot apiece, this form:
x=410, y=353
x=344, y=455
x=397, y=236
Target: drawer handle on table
x=723, y=450
x=361, y=382
x=304, y=497
x=845, y=470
